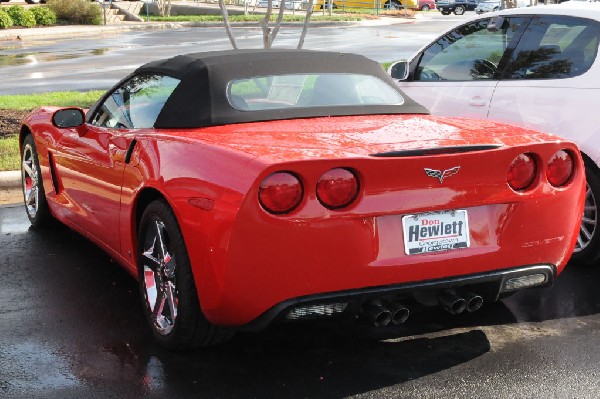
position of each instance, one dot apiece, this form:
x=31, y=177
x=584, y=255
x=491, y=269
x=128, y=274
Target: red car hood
x=359, y=136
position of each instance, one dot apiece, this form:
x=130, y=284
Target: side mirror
x=399, y=70
x=68, y=117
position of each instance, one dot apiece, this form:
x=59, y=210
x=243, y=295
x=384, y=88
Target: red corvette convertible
x=246, y=187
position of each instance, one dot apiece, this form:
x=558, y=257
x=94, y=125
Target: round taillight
x=560, y=168
x=337, y=188
x=521, y=172
x=280, y=192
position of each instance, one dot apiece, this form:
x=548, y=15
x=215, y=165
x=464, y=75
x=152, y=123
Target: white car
x=265, y=3
x=536, y=67
x=296, y=4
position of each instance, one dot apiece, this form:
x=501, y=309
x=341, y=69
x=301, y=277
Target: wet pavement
x=71, y=326
x=98, y=62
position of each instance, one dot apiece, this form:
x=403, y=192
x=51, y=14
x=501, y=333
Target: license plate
x=435, y=231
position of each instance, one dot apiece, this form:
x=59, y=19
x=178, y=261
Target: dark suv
x=458, y=7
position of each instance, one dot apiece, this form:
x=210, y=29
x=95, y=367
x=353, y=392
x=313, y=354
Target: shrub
x=43, y=15
x=21, y=16
x=83, y=12
x=5, y=20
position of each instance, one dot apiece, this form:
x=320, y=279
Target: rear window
x=310, y=90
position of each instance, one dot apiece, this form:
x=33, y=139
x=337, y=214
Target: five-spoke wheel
x=167, y=284
x=33, y=187
x=159, y=280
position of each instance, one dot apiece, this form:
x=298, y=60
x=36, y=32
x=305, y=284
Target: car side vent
x=435, y=151
x=53, y=173
x=130, y=150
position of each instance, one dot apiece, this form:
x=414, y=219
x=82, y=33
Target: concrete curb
x=10, y=179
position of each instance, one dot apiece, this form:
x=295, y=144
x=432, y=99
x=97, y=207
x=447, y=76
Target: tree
x=226, y=22
x=269, y=34
x=164, y=7
x=309, y=12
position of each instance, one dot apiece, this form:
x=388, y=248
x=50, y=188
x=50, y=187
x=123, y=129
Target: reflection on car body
x=248, y=187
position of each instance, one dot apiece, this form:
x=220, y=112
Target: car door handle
x=477, y=102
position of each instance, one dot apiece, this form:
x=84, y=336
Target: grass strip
x=9, y=153
x=83, y=99
x=9, y=146
x=258, y=17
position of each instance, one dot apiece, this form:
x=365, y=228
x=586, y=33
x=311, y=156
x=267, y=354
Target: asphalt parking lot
x=72, y=327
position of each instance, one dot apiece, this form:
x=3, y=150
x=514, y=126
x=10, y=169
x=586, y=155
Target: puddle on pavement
x=36, y=58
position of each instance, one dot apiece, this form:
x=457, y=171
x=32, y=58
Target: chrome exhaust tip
x=400, y=313
x=377, y=314
x=452, y=303
x=474, y=301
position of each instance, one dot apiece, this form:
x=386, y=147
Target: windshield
x=310, y=90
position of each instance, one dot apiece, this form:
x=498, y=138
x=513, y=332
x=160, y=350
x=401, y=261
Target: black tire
x=459, y=10
x=425, y=7
x=587, y=249
x=163, y=263
x=32, y=185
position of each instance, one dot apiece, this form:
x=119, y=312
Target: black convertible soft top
x=201, y=98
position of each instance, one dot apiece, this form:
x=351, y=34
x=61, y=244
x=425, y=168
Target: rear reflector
x=311, y=311
x=517, y=283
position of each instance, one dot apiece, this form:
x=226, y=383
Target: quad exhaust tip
x=455, y=304
x=381, y=314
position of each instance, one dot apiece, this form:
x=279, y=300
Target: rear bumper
x=490, y=286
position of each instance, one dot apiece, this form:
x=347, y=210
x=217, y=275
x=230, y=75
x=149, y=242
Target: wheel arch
x=143, y=199
x=24, y=132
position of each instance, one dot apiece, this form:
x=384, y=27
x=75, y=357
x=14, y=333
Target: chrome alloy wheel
x=159, y=278
x=588, y=222
x=30, y=178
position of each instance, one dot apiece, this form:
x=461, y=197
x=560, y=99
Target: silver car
x=487, y=6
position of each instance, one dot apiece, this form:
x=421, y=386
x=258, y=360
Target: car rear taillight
x=280, y=192
x=337, y=188
x=521, y=172
x=560, y=168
